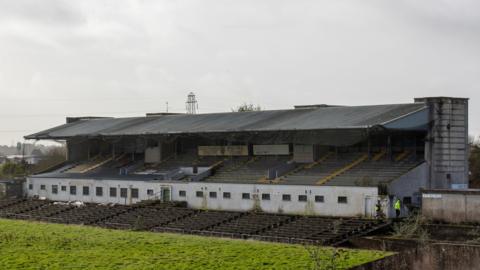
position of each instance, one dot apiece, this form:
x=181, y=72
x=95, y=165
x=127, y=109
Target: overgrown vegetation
x=326, y=259
x=411, y=228
x=30, y=245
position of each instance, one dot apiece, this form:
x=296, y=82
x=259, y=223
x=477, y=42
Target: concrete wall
x=409, y=184
x=153, y=155
x=304, y=153
x=361, y=200
x=411, y=256
x=451, y=206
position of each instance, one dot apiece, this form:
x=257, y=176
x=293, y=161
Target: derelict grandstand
x=316, y=160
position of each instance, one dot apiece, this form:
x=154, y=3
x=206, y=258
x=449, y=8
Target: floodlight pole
x=191, y=104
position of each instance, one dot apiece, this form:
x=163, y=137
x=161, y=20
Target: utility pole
x=191, y=104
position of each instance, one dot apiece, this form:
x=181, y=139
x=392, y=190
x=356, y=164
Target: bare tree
x=315, y=250
x=324, y=258
x=247, y=108
x=471, y=140
x=474, y=140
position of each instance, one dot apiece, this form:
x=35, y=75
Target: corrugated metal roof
x=353, y=117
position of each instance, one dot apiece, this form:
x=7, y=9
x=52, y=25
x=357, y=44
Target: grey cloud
x=47, y=12
x=104, y=57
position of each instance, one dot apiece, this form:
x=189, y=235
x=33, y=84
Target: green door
x=166, y=194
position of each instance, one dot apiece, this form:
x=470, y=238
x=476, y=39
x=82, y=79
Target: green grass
x=32, y=245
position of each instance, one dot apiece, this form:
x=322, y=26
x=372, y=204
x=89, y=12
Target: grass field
x=31, y=245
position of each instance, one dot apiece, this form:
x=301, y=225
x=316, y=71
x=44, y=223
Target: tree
x=52, y=157
x=247, y=108
x=37, y=152
x=11, y=170
x=474, y=164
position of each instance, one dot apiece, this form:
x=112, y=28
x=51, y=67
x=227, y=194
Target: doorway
x=166, y=194
x=369, y=207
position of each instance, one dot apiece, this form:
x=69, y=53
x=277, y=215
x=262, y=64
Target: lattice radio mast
x=191, y=104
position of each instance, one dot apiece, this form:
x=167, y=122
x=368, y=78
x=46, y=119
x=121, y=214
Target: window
x=286, y=197
x=113, y=192
x=302, y=198
x=99, y=191
x=135, y=193
x=30, y=186
x=150, y=192
x=342, y=199
x=64, y=188
x=265, y=197
x=319, y=198
x=227, y=195
x=123, y=192
x=183, y=193
x=73, y=190
x=86, y=191
x=407, y=200
x=246, y=196
x=199, y=194
x=213, y=194
x=54, y=189
x=42, y=187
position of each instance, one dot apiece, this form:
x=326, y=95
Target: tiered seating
x=372, y=173
x=175, y=218
x=20, y=207
x=207, y=161
x=89, y=165
x=88, y=214
x=146, y=217
x=113, y=166
x=302, y=228
x=343, y=170
x=345, y=228
x=201, y=221
x=247, y=170
x=311, y=175
x=321, y=229
x=9, y=201
x=250, y=224
x=44, y=211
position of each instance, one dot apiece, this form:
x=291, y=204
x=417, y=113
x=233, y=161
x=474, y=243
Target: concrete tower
x=446, y=148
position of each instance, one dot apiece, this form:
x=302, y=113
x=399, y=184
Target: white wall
x=355, y=206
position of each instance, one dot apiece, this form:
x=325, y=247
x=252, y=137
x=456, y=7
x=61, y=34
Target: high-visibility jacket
x=397, y=205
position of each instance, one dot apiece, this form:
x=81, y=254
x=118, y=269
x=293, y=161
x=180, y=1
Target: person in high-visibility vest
x=397, y=207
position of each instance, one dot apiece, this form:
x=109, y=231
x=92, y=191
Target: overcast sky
x=126, y=58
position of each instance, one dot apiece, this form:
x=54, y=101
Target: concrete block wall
x=452, y=206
